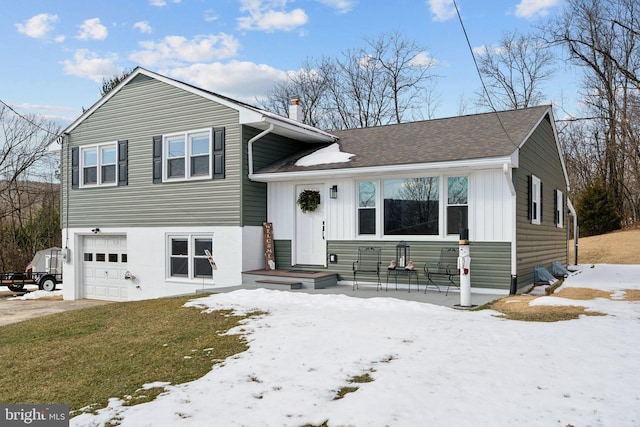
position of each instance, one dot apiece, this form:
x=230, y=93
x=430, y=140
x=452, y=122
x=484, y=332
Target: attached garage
x=104, y=264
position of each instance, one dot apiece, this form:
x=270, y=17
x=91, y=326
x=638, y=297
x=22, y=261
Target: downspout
x=514, y=264
x=575, y=231
x=250, y=147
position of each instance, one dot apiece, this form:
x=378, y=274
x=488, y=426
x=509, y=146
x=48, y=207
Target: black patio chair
x=368, y=263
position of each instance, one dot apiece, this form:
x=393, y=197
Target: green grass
x=84, y=357
x=358, y=379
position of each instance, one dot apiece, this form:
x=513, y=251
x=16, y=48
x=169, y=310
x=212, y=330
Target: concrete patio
x=432, y=296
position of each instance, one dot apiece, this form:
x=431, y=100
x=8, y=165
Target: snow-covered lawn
x=431, y=365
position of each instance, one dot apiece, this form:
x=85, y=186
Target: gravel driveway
x=13, y=310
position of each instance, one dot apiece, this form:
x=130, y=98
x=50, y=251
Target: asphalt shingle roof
x=450, y=139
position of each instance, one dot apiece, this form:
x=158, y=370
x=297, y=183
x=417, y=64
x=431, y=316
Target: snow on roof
x=327, y=155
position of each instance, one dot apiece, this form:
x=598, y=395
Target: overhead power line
x=484, y=86
x=23, y=117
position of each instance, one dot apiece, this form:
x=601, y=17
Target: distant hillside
x=619, y=247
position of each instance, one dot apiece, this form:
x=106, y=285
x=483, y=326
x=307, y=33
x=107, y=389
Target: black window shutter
x=529, y=197
x=75, y=167
x=217, y=153
x=157, y=159
x=123, y=162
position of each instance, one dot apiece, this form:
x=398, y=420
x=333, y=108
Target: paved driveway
x=13, y=311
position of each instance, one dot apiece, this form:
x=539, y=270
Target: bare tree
x=380, y=83
x=406, y=67
x=109, y=84
x=27, y=187
x=602, y=38
x=514, y=72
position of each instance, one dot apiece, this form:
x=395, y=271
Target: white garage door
x=103, y=267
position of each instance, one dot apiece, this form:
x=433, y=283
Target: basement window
x=187, y=257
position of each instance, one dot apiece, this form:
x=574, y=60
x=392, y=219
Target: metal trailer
x=45, y=271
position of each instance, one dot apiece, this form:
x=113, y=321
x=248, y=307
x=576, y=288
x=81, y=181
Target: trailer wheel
x=48, y=284
x=17, y=287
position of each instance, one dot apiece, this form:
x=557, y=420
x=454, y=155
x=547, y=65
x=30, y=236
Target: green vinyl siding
x=539, y=244
x=490, y=261
x=268, y=149
x=145, y=108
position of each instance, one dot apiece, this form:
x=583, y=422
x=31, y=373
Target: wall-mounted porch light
x=333, y=192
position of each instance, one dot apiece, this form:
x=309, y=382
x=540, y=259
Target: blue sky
x=57, y=52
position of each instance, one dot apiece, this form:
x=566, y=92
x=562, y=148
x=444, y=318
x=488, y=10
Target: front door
x=310, y=230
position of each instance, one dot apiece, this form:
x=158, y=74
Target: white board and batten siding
x=490, y=208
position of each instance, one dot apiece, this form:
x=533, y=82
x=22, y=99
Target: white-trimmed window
x=536, y=200
x=367, y=196
x=457, y=204
x=98, y=165
x=187, y=258
x=187, y=155
x=559, y=208
x=412, y=206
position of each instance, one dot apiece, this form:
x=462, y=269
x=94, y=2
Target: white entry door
x=310, y=230
x=104, y=263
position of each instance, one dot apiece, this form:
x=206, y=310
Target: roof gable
x=249, y=115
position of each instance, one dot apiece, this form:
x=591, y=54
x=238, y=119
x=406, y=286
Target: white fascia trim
x=485, y=163
x=292, y=125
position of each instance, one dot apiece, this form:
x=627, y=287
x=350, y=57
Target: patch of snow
x=37, y=295
x=327, y=155
x=431, y=365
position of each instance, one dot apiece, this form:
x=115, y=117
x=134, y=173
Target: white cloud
x=239, y=80
x=532, y=8
x=268, y=15
x=143, y=26
x=92, y=29
x=343, y=6
x=90, y=65
x=423, y=59
x=38, y=26
x=210, y=15
x=161, y=3
x=177, y=50
x=484, y=49
x=442, y=10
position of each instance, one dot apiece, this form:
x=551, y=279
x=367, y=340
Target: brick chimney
x=295, y=110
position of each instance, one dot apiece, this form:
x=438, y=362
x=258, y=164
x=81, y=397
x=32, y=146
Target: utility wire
x=484, y=86
x=27, y=119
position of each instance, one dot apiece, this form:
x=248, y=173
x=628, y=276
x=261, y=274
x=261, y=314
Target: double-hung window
x=535, y=196
x=188, y=256
x=457, y=203
x=108, y=156
x=99, y=165
x=366, y=207
x=188, y=155
x=559, y=208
